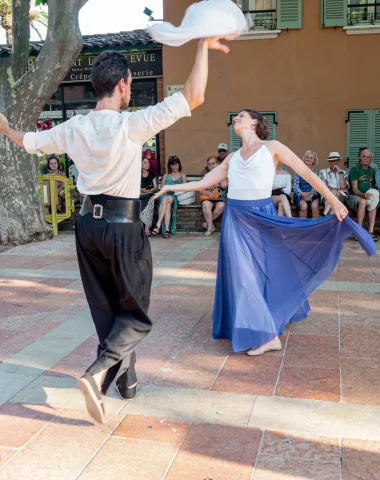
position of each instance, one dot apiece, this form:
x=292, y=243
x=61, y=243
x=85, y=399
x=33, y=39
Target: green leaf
x=41, y=2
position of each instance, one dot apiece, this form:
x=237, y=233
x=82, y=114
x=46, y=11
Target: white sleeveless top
x=251, y=179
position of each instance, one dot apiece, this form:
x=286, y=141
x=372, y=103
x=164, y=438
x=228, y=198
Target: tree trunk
x=22, y=98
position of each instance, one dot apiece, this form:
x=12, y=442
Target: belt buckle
x=97, y=212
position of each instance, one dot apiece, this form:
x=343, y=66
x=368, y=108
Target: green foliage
x=41, y=2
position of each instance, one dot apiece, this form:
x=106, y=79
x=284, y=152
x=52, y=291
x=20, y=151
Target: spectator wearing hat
x=222, y=152
x=222, y=155
x=363, y=196
x=335, y=178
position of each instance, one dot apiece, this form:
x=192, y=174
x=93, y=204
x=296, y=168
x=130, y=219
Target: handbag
x=215, y=191
x=185, y=198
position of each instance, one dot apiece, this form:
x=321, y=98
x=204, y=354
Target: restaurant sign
x=143, y=64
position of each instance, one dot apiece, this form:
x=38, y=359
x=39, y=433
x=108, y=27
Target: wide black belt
x=113, y=211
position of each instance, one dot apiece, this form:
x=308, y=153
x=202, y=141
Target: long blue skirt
x=269, y=265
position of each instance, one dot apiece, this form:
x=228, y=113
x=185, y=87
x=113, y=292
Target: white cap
x=223, y=146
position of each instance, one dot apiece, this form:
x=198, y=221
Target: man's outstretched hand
x=214, y=43
x=4, y=126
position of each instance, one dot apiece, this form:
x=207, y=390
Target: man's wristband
x=340, y=173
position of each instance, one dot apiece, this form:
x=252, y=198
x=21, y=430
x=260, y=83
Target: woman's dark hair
x=107, y=71
x=50, y=158
x=174, y=160
x=262, y=129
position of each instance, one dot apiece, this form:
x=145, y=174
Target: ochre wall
x=310, y=77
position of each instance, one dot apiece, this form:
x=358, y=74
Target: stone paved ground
x=311, y=411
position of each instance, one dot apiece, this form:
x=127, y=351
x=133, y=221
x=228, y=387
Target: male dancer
x=113, y=253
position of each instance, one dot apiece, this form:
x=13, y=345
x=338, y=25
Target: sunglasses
x=222, y=150
x=173, y=157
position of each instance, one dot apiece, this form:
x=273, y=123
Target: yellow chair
x=49, y=196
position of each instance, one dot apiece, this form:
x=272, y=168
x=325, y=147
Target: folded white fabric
x=209, y=18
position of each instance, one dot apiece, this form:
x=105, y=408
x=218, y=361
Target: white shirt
x=283, y=181
x=106, y=145
x=251, y=179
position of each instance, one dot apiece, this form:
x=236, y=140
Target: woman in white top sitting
x=268, y=265
x=282, y=186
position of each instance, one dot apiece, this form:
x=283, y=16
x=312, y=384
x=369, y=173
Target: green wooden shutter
x=272, y=123
x=289, y=14
x=235, y=140
x=334, y=13
x=376, y=136
x=358, y=134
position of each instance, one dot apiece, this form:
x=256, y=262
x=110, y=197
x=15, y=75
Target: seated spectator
x=335, y=178
x=152, y=160
x=282, y=186
x=213, y=200
x=304, y=194
x=147, y=190
x=222, y=155
x=372, y=164
x=363, y=196
x=168, y=203
x=52, y=168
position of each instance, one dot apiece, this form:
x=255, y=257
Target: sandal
x=166, y=234
x=374, y=237
x=156, y=231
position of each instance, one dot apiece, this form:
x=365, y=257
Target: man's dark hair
x=107, y=71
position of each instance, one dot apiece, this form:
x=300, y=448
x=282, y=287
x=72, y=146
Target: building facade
x=309, y=65
x=75, y=95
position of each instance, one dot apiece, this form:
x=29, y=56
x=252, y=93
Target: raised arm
x=13, y=135
x=146, y=123
x=195, y=86
x=49, y=141
x=283, y=153
x=217, y=175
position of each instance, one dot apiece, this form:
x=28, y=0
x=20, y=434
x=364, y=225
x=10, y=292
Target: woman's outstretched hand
x=163, y=191
x=339, y=210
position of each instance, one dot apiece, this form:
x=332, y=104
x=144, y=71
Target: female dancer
x=268, y=265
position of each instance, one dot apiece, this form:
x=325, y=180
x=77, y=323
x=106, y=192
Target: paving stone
x=360, y=341
x=251, y=375
x=216, y=451
x=360, y=380
x=191, y=405
x=6, y=454
x=312, y=417
x=152, y=429
x=126, y=459
x=312, y=383
x=20, y=422
x=360, y=460
x=312, y=351
x=276, y=468
x=304, y=447
x=61, y=450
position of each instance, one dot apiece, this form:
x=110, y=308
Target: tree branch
x=20, y=46
x=62, y=44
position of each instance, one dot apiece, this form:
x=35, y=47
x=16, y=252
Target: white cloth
x=106, y=146
x=210, y=18
x=283, y=181
x=251, y=179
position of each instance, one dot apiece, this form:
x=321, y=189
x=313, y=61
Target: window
x=350, y=13
x=363, y=12
x=235, y=140
x=363, y=130
x=272, y=14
